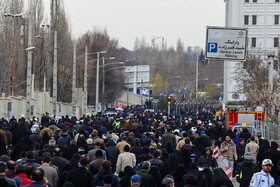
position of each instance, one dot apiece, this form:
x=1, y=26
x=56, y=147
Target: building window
x=276, y=19
x=255, y=1
x=246, y=20
x=246, y=1
x=276, y=42
x=254, y=42
x=254, y=20
x=277, y=1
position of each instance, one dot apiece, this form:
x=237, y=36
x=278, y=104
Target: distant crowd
x=133, y=148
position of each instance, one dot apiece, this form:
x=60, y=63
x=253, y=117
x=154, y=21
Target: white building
x=261, y=17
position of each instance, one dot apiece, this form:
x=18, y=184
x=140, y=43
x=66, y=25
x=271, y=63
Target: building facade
x=261, y=18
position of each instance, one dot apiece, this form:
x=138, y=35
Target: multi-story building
x=262, y=18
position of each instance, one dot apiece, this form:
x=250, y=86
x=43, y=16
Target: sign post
x=226, y=43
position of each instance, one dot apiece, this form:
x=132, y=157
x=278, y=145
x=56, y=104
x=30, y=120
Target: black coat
x=201, y=179
x=112, y=153
x=80, y=177
x=59, y=162
x=220, y=179
x=202, y=142
x=245, y=134
x=137, y=150
x=211, y=132
x=240, y=150
x=247, y=172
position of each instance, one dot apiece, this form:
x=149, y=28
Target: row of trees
x=42, y=38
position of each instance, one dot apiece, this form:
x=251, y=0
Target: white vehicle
x=240, y=126
x=149, y=110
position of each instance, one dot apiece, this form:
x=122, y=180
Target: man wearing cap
x=135, y=181
x=263, y=178
x=245, y=170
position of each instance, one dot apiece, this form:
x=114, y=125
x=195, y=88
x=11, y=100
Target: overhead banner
x=226, y=43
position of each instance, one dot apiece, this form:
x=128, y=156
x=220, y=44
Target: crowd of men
x=133, y=148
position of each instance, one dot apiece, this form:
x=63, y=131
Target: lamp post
x=103, y=73
x=97, y=82
x=13, y=46
x=174, y=77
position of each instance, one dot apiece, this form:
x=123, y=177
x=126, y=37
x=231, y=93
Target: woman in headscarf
x=128, y=173
x=264, y=146
x=156, y=175
x=178, y=174
x=220, y=179
x=193, y=169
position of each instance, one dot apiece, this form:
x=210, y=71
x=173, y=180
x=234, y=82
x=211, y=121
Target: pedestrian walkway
x=221, y=164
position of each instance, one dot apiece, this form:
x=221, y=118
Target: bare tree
x=98, y=40
x=252, y=78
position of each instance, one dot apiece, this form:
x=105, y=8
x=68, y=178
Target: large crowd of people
x=133, y=148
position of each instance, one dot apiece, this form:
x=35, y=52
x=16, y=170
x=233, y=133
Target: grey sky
x=127, y=19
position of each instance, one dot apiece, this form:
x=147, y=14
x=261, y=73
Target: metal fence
x=269, y=130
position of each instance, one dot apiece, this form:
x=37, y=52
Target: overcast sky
x=127, y=20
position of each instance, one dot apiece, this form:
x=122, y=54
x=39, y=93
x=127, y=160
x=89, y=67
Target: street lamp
x=174, y=77
x=13, y=46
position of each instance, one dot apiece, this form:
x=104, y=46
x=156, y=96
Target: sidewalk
x=221, y=165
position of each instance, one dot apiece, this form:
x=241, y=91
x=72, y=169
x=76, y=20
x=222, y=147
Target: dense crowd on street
x=133, y=148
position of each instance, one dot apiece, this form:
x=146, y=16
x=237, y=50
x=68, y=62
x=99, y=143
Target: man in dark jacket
x=80, y=177
x=106, y=168
x=112, y=153
x=274, y=155
x=240, y=149
x=57, y=160
x=207, y=160
x=202, y=142
x=137, y=149
x=245, y=170
x=245, y=134
x=168, y=137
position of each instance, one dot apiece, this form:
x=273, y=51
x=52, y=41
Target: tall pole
x=55, y=73
x=141, y=91
x=97, y=84
x=85, y=82
x=127, y=96
x=270, y=75
x=103, y=75
x=196, y=77
x=13, y=57
x=29, y=66
x=74, y=81
x=48, y=59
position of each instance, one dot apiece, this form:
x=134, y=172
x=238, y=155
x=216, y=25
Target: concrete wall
x=41, y=103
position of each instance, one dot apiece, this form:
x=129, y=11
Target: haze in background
x=126, y=20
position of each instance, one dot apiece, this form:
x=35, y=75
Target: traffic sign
x=226, y=43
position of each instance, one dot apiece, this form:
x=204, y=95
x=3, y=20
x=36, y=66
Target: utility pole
x=74, y=81
x=55, y=73
x=196, y=77
x=270, y=75
x=29, y=66
x=48, y=58
x=141, y=91
x=85, y=82
x=97, y=85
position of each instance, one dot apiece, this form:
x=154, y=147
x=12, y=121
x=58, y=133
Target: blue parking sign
x=212, y=47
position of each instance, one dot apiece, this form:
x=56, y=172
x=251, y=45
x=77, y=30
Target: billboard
x=137, y=74
x=226, y=43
